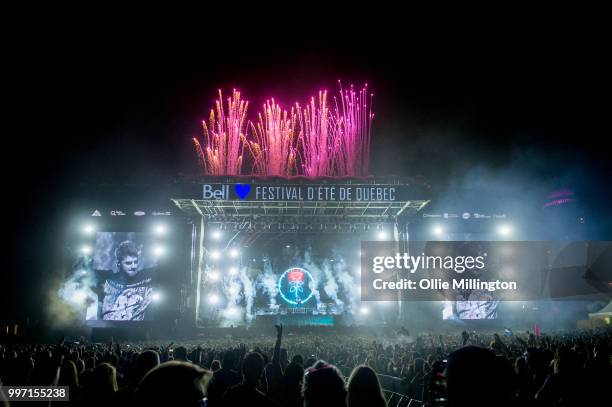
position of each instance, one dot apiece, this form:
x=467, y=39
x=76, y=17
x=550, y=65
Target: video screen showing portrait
x=124, y=270
x=471, y=309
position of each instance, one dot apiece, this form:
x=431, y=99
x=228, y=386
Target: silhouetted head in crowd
x=475, y=377
x=252, y=368
x=229, y=360
x=521, y=367
x=146, y=361
x=68, y=374
x=180, y=353
x=215, y=365
x=419, y=363
x=173, y=383
x=567, y=362
x=310, y=362
x=80, y=365
x=293, y=375
x=299, y=359
x=324, y=386
x=112, y=360
x=364, y=388
x=103, y=381
x=90, y=363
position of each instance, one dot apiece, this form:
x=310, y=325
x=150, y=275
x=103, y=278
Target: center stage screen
x=287, y=275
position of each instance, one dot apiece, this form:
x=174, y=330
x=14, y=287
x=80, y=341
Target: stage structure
x=241, y=251
x=276, y=220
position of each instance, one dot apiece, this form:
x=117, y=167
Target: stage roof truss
x=348, y=212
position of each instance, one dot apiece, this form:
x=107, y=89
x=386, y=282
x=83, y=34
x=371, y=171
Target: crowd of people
x=325, y=369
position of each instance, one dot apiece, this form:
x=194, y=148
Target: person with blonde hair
x=364, y=388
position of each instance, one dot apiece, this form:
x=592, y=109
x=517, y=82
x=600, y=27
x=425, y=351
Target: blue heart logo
x=242, y=190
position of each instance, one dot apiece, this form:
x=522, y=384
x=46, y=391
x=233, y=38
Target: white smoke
x=76, y=300
x=248, y=290
x=331, y=285
x=316, y=273
x=349, y=281
x=268, y=282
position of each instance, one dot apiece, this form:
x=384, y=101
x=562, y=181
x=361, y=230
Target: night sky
x=116, y=107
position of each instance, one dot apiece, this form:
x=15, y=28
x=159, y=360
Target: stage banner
x=308, y=192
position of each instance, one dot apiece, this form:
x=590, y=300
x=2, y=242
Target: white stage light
x=213, y=275
x=437, y=230
x=288, y=246
x=213, y=299
x=504, y=230
x=233, y=271
x=364, y=310
x=215, y=254
x=216, y=234
x=381, y=235
x=234, y=253
x=88, y=229
x=158, y=251
x=156, y=297
x=159, y=230
x=85, y=250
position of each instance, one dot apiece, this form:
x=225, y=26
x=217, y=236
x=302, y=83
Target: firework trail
x=353, y=118
x=273, y=149
x=224, y=137
x=317, y=138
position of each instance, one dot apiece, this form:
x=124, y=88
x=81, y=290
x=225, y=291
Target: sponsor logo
x=466, y=215
x=221, y=192
x=117, y=213
x=140, y=213
x=167, y=213
x=242, y=190
x=96, y=213
x=429, y=215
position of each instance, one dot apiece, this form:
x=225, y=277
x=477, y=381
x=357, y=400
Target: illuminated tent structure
x=603, y=317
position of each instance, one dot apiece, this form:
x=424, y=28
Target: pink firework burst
x=314, y=141
x=224, y=137
x=273, y=148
